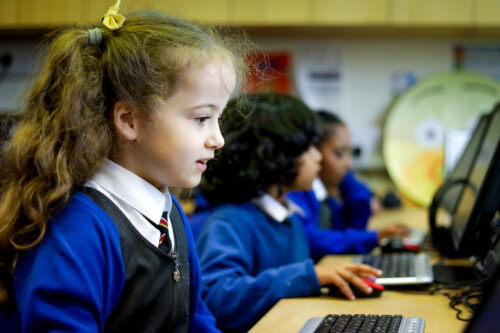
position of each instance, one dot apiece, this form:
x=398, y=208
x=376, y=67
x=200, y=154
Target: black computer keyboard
x=360, y=323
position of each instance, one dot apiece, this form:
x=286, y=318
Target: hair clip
x=112, y=20
x=95, y=36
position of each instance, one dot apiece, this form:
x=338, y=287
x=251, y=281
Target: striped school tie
x=165, y=244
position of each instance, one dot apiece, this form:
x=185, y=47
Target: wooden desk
x=414, y=217
x=289, y=315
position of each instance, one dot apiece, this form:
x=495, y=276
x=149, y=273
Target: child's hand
x=397, y=229
x=375, y=205
x=341, y=274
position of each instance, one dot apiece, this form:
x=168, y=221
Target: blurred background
x=409, y=77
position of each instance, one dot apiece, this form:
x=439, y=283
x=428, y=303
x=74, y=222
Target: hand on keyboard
x=343, y=274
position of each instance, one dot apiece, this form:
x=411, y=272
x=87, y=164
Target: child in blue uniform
x=91, y=239
x=253, y=250
x=339, y=226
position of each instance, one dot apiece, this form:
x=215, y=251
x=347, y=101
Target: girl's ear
x=126, y=120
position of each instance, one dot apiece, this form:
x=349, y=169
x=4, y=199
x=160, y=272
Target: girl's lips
x=202, y=165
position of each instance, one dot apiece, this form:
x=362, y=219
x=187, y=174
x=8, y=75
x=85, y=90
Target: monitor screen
x=479, y=200
x=462, y=168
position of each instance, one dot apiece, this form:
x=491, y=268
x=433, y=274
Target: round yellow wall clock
x=416, y=124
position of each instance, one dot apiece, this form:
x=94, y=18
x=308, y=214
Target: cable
x=469, y=297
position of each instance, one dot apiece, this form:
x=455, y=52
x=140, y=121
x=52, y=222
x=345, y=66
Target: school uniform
x=355, y=209
x=99, y=268
x=252, y=255
x=202, y=212
x=343, y=229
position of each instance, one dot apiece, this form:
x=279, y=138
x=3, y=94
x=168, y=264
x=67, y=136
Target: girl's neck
x=333, y=191
x=278, y=192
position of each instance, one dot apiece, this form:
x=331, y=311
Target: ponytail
x=62, y=139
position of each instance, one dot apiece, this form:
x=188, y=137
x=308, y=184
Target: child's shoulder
x=229, y=208
x=82, y=216
x=238, y=220
x=301, y=196
x=81, y=232
x=240, y=212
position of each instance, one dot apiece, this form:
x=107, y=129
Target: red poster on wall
x=269, y=72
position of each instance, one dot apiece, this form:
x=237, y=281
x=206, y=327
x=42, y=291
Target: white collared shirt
x=276, y=210
x=136, y=198
x=319, y=189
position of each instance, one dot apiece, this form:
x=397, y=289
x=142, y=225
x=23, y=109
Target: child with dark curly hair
x=253, y=249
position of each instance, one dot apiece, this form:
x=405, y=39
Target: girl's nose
x=216, y=140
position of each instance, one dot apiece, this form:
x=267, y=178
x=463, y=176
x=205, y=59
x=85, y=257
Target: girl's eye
x=341, y=153
x=201, y=120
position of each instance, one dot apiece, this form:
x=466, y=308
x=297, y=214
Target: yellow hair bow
x=112, y=20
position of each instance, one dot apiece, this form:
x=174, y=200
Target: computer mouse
x=333, y=291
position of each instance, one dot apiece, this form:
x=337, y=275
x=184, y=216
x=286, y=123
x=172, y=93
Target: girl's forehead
x=220, y=65
x=217, y=70
x=341, y=131
x=330, y=132
x=204, y=56
x=336, y=129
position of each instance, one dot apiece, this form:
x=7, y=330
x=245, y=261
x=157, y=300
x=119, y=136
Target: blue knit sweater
x=249, y=262
x=73, y=279
x=349, y=220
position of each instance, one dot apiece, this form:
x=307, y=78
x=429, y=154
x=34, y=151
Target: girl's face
x=309, y=166
x=184, y=134
x=336, y=152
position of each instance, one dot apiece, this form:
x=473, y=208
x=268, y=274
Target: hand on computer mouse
x=344, y=275
x=333, y=291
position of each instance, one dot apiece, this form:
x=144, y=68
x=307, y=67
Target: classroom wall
x=369, y=66
x=15, y=79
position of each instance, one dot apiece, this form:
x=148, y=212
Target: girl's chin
x=192, y=183
x=187, y=183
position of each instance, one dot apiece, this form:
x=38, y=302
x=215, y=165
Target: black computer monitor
x=462, y=168
x=447, y=197
x=471, y=228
